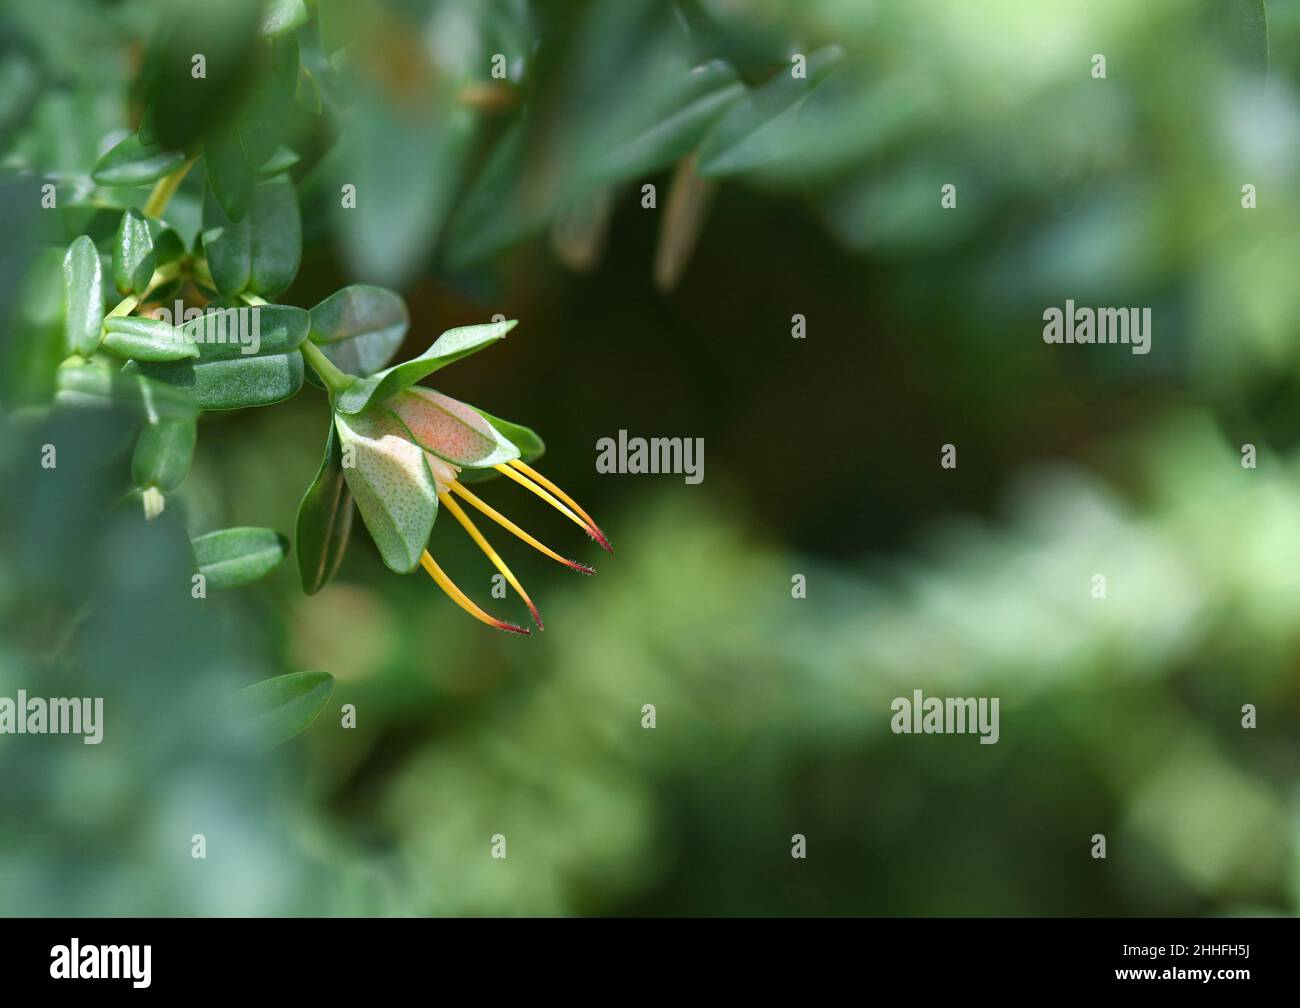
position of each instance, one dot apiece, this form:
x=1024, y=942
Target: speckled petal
x=450, y=429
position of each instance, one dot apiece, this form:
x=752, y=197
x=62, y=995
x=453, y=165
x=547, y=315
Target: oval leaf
x=232, y=557
x=132, y=163
x=451, y=346
x=275, y=710
x=146, y=339
x=163, y=453
x=275, y=233
x=324, y=520
x=83, y=291
x=133, y=255
x=228, y=247
x=360, y=327
x=92, y=386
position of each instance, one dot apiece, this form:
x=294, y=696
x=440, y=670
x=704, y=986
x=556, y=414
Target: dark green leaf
x=229, y=174
x=324, y=520
x=132, y=163
x=687, y=106
x=146, y=339
x=224, y=376
x=232, y=557
x=163, y=452
x=266, y=121
x=83, y=293
x=94, y=386
x=765, y=126
x=360, y=327
x=451, y=346
x=281, y=160
x=133, y=255
x=36, y=342
x=1246, y=25
x=275, y=710
x=275, y=231
x=228, y=247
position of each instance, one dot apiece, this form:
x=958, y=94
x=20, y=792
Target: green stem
x=160, y=276
x=335, y=380
x=165, y=189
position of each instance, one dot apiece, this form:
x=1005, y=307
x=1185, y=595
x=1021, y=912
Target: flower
x=411, y=452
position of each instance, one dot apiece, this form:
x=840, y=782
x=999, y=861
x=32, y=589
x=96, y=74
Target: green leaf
x=359, y=328
x=132, y=163
x=94, y=386
x=451, y=429
x=282, y=159
x=498, y=208
x=392, y=484
x=229, y=558
x=223, y=376
x=283, y=16
x=685, y=109
x=451, y=346
x=275, y=710
x=163, y=453
x=228, y=247
x=324, y=520
x=146, y=339
x=1246, y=25
x=83, y=292
x=230, y=176
x=765, y=126
x=133, y=255
x=264, y=125
x=35, y=344
x=275, y=230
x=526, y=440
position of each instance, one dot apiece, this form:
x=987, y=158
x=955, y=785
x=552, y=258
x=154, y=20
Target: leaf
x=391, y=482
x=499, y=207
x=265, y=123
x=229, y=558
x=688, y=105
x=228, y=247
x=94, y=386
x=163, y=453
x=530, y=446
x=146, y=339
x=230, y=175
x=133, y=255
x=275, y=230
x=132, y=163
x=324, y=520
x=36, y=335
x=83, y=292
x=275, y=710
x=765, y=126
x=282, y=159
x=359, y=328
x=224, y=376
x=451, y=346
x=450, y=429
x=1246, y=25
x=283, y=16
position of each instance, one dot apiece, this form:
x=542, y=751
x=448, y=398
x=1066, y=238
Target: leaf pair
x=260, y=252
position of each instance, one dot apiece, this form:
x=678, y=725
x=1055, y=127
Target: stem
x=165, y=189
x=160, y=276
x=335, y=380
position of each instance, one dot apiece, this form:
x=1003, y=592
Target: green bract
x=324, y=520
x=448, y=348
x=392, y=484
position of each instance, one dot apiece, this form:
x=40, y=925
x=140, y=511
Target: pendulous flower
x=406, y=450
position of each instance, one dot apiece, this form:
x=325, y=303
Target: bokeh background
x=1119, y=716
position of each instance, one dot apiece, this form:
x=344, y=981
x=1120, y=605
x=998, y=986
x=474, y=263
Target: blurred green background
x=924, y=327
